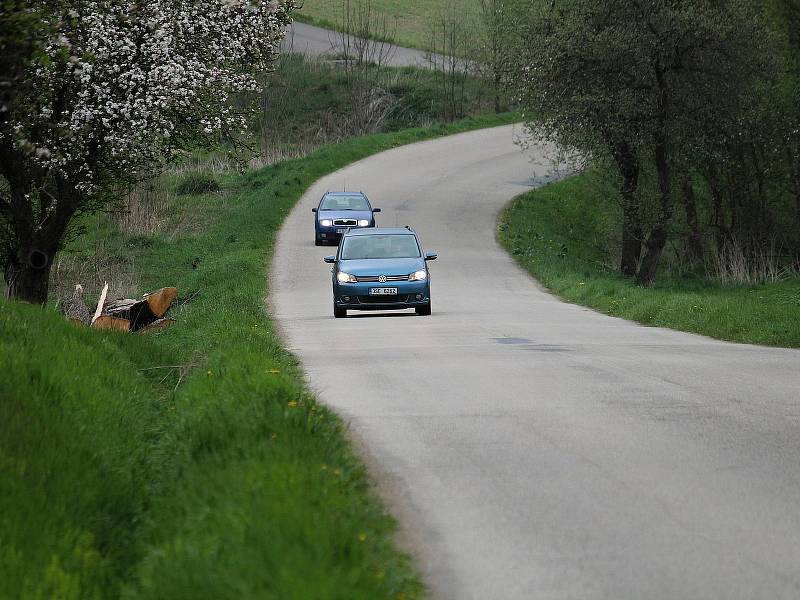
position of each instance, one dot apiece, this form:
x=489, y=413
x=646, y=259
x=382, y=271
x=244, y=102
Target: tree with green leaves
x=23, y=32
x=498, y=21
x=639, y=82
x=117, y=88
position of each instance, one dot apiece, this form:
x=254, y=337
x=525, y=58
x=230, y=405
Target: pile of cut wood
x=124, y=314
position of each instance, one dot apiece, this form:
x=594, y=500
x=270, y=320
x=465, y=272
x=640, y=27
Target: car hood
x=381, y=266
x=345, y=214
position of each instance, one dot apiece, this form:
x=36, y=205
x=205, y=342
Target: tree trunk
x=631, y=236
x=763, y=221
x=654, y=248
x=722, y=233
x=658, y=236
x=497, y=83
x=628, y=165
x=794, y=171
x=29, y=280
x=734, y=188
x=695, y=241
x=36, y=239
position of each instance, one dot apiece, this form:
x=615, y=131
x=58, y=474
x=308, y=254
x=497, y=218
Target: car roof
x=380, y=230
x=345, y=194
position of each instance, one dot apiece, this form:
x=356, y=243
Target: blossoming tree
x=117, y=89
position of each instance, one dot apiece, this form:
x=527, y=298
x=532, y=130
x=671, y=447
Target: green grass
x=564, y=233
x=307, y=99
x=408, y=20
x=226, y=479
x=79, y=431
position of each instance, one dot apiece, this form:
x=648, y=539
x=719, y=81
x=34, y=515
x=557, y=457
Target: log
x=124, y=314
x=109, y=322
x=144, y=312
x=136, y=311
x=121, y=305
x=160, y=301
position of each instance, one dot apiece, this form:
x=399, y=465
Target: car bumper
x=356, y=296
x=328, y=235
x=332, y=234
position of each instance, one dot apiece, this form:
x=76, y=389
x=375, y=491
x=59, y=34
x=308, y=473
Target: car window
x=380, y=246
x=344, y=203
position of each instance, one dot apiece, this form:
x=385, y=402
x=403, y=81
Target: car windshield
x=355, y=202
x=380, y=246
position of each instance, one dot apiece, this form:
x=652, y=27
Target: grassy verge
x=409, y=21
x=563, y=234
x=192, y=463
x=312, y=100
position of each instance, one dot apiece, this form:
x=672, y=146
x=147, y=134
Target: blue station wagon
x=381, y=269
x=339, y=212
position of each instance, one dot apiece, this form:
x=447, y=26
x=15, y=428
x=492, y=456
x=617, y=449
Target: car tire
x=423, y=310
x=317, y=241
x=339, y=313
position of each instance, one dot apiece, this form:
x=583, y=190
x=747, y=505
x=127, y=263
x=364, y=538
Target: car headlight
x=418, y=276
x=326, y=222
x=363, y=223
x=345, y=277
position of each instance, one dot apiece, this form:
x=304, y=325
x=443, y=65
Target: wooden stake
x=99, y=310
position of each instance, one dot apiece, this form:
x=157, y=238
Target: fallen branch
x=183, y=301
x=181, y=369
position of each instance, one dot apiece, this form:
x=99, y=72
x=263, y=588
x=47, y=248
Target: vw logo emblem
x=382, y=278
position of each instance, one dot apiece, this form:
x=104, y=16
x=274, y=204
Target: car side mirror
x=330, y=259
x=376, y=210
x=313, y=210
x=431, y=256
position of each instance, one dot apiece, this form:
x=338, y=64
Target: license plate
x=343, y=230
x=383, y=291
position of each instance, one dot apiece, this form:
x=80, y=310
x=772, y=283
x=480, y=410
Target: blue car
x=381, y=269
x=338, y=212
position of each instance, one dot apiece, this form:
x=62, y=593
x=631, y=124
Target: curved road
x=533, y=449
x=316, y=41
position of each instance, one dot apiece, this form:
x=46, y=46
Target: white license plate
x=343, y=230
x=383, y=291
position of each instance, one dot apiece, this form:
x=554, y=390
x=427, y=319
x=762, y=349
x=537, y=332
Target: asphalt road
x=315, y=41
x=534, y=449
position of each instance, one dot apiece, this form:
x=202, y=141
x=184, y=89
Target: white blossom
x=121, y=77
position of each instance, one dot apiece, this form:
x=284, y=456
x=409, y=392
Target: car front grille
x=375, y=278
x=400, y=299
x=345, y=222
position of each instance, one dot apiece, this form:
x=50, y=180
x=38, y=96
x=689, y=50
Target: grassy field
x=408, y=20
x=191, y=463
x=564, y=235
x=312, y=100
